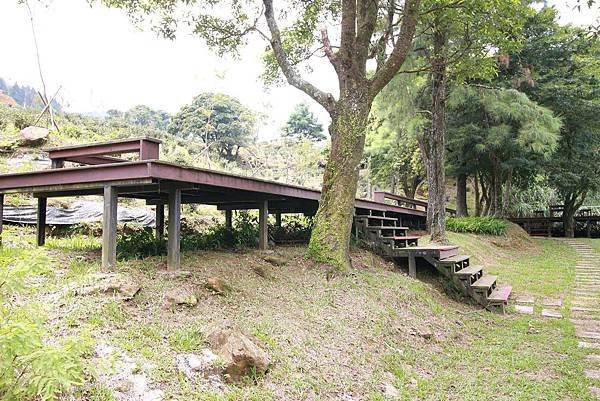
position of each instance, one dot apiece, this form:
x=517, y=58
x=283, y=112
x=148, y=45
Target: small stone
x=33, y=136
x=217, y=285
x=524, y=309
x=124, y=287
x=425, y=333
x=390, y=391
x=551, y=313
x=587, y=345
x=180, y=296
x=239, y=354
x=274, y=260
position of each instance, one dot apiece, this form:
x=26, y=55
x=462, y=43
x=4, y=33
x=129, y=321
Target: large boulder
x=33, y=136
x=181, y=296
x=239, y=355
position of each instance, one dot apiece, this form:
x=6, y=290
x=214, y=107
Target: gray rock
x=123, y=287
x=181, y=296
x=33, y=136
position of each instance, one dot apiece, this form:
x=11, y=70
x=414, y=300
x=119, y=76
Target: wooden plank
x=41, y=221
x=412, y=265
x=174, y=233
x=263, y=227
x=109, y=228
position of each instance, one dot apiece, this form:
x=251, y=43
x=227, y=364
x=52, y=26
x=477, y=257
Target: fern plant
x=31, y=368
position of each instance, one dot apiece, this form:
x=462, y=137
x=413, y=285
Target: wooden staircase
x=385, y=236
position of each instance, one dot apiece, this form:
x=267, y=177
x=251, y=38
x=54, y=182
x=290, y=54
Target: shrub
x=30, y=368
x=477, y=225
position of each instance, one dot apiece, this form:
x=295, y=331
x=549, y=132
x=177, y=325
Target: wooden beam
x=1, y=215
x=41, y=221
x=229, y=219
x=263, y=227
x=174, y=234
x=109, y=228
x=160, y=221
x=412, y=265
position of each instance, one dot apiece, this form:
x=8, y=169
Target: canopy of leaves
x=146, y=116
x=218, y=120
x=559, y=67
x=303, y=124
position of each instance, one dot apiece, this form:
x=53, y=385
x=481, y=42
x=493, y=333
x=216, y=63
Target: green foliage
x=392, y=147
x=220, y=121
x=477, y=225
x=499, y=136
x=144, y=116
x=30, y=367
x=559, y=67
x=303, y=124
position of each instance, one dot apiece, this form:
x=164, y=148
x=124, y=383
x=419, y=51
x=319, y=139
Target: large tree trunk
x=432, y=144
x=461, y=196
x=330, y=236
x=572, y=203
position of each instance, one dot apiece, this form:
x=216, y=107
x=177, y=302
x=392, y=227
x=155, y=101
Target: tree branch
x=401, y=49
x=293, y=77
x=327, y=48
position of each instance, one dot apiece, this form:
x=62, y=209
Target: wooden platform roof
x=152, y=179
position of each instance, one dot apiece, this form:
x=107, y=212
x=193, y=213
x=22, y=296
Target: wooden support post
x=41, y=221
x=160, y=221
x=412, y=265
x=263, y=227
x=589, y=229
x=229, y=219
x=57, y=163
x=174, y=233
x=1, y=215
x=278, y=219
x=109, y=228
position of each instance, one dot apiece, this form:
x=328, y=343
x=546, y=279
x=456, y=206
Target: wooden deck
x=161, y=183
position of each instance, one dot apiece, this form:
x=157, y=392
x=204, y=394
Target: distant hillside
x=25, y=95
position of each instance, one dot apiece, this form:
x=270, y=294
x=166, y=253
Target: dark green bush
x=477, y=225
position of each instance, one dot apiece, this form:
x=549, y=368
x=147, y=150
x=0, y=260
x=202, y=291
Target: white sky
x=103, y=62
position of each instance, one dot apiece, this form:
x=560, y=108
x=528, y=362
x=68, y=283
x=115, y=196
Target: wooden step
x=485, y=282
x=454, y=259
x=469, y=271
x=377, y=217
x=386, y=228
x=500, y=295
x=401, y=237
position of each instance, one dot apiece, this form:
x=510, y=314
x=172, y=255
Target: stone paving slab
x=525, y=299
x=588, y=345
x=591, y=335
x=524, y=309
x=593, y=358
x=551, y=313
x=552, y=302
x=593, y=374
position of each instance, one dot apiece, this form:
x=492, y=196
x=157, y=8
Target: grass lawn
x=343, y=339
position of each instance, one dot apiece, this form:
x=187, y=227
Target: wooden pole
x=1, y=215
x=278, y=219
x=589, y=229
x=263, y=234
x=41, y=221
x=109, y=228
x=412, y=265
x=229, y=219
x=174, y=233
x=160, y=221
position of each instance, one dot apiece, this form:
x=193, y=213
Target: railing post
x=263, y=227
x=174, y=234
x=109, y=228
x=41, y=221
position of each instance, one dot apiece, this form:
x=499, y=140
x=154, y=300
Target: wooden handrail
x=381, y=196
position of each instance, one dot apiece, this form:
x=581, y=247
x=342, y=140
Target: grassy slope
x=339, y=338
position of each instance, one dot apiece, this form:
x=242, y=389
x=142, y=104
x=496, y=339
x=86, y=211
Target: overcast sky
x=103, y=62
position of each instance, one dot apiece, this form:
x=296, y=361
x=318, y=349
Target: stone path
x=585, y=307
